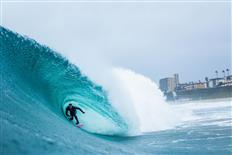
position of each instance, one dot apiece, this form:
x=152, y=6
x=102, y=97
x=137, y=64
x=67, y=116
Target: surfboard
x=80, y=125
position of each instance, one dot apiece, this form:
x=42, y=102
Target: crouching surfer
x=72, y=112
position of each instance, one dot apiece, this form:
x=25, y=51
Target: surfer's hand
x=83, y=112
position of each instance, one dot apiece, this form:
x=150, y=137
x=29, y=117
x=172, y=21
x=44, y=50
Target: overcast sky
x=155, y=39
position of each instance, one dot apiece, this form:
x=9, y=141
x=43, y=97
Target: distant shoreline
x=201, y=100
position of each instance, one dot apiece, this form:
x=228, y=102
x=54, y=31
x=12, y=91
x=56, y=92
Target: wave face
x=34, y=72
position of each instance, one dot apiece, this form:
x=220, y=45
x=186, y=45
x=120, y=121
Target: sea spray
x=152, y=111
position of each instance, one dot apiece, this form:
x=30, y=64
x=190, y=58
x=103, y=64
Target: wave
x=38, y=70
x=122, y=102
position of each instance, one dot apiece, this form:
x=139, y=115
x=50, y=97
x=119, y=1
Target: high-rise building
x=176, y=78
x=167, y=84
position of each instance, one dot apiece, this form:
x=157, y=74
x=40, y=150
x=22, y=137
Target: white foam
x=153, y=113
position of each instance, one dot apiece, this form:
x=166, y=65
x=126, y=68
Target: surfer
x=72, y=111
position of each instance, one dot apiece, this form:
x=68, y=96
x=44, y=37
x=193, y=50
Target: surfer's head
x=70, y=105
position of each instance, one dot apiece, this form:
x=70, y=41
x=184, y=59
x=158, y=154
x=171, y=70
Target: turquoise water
x=36, y=85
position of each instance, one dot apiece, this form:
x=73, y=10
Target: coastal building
x=200, y=85
x=228, y=80
x=216, y=82
x=169, y=84
x=176, y=79
x=219, y=87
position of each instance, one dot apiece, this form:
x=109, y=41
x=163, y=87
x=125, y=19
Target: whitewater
x=125, y=111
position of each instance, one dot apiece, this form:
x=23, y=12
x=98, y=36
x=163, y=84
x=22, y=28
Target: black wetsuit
x=72, y=112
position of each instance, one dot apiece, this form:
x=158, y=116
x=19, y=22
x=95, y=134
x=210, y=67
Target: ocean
x=125, y=111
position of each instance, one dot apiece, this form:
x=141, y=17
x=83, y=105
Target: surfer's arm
x=80, y=110
x=66, y=112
